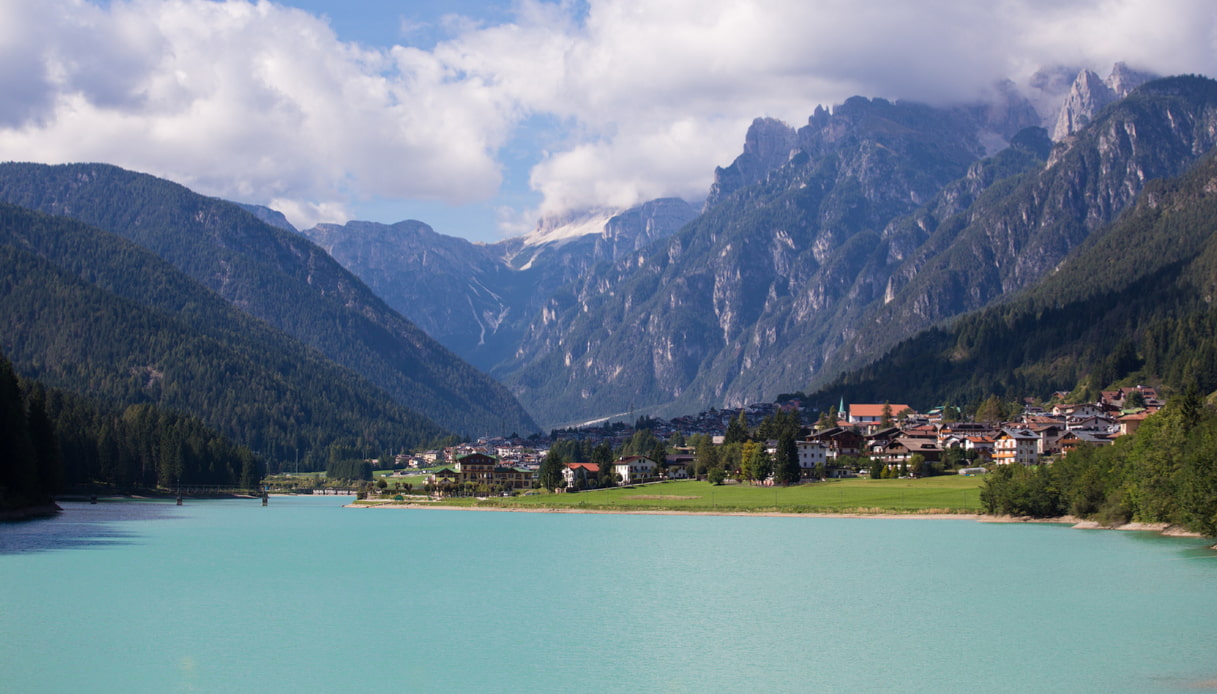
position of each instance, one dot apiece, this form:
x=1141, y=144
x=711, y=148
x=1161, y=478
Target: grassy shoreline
x=927, y=499
x=936, y=495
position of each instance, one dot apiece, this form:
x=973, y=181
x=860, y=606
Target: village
x=863, y=439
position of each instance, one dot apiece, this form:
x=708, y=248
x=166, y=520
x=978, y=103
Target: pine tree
x=737, y=430
x=18, y=477
x=787, y=464
x=550, y=473
x=47, y=458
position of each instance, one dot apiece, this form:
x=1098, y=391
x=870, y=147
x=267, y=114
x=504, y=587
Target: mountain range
x=829, y=257
x=311, y=336
x=815, y=252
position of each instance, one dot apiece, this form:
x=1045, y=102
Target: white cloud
x=251, y=101
x=263, y=103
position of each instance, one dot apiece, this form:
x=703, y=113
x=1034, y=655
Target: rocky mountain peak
x=639, y=226
x=572, y=225
x=1124, y=79
x=1090, y=93
x=769, y=140
x=767, y=146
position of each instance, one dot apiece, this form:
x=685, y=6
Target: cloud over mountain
x=264, y=103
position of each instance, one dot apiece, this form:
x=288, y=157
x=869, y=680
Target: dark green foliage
x=786, y=461
x=878, y=470
x=780, y=423
x=48, y=456
x=76, y=442
x=1165, y=473
x=1020, y=490
x=737, y=430
x=349, y=469
x=643, y=442
x=759, y=464
x=602, y=455
x=274, y=276
x=550, y=473
x=705, y=454
x=89, y=312
x=19, y=475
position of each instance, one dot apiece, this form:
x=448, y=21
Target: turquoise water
x=306, y=596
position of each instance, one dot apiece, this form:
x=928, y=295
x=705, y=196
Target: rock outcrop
x=1090, y=94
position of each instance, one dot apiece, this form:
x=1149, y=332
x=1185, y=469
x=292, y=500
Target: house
x=1016, y=446
x=1050, y=437
x=677, y=467
x=444, y=477
x=920, y=431
x=812, y=453
x=900, y=449
x=1091, y=423
x=1129, y=423
x=929, y=448
x=890, y=451
x=983, y=445
x=479, y=468
x=1072, y=439
x=1077, y=411
x=1123, y=398
x=841, y=442
x=870, y=414
x=511, y=477
x=635, y=469
x=580, y=475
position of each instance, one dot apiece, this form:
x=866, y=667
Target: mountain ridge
x=276, y=276
x=95, y=314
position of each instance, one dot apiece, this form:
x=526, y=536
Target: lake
x=306, y=596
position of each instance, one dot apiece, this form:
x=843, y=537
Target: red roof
x=876, y=410
x=590, y=467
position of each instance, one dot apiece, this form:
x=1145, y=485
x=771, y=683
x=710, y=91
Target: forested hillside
x=52, y=441
x=1020, y=231
x=278, y=277
x=88, y=312
x=1133, y=303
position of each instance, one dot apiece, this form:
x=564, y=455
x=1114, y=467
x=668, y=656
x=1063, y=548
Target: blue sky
x=479, y=118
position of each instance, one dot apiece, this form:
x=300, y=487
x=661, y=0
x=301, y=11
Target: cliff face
x=451, y=288
x=1090, y=94
x=476, y=299
x=722, y=312
x=817, y=248
x=882, y=220
x=1015, y=234
x=767, y=145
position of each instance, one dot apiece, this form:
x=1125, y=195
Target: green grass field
x=946, y=494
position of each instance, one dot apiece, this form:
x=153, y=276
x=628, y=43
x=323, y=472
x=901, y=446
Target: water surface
x=307, y=596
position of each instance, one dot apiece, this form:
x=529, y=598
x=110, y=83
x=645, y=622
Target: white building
x=635, y=469
x=1016, y=446
x=811, y=454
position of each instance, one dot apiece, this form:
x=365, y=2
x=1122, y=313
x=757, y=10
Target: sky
x=480, y=117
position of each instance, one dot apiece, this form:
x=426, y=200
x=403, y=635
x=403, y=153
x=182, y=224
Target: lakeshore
x=1164, y=529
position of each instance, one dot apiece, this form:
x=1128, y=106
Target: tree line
x=1164, y=473
x=53, y=440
